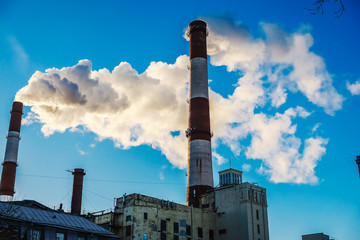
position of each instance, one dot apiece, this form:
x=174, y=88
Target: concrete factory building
x=234, y=210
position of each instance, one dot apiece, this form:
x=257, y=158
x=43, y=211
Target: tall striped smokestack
x=11, y=153
x=199, y=174
x=76, y=199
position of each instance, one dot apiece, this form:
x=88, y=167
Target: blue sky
x=284, y=97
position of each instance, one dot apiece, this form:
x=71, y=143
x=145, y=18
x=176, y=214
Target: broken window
x=60, y=236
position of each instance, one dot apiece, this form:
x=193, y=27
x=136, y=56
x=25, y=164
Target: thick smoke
x=134, y=109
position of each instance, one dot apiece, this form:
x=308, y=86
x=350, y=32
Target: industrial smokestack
x=199, y=173
x=77, y=190
x=11, y=153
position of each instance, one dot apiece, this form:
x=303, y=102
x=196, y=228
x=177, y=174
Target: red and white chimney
x=76, y=199
x=11, y=154
x=199, y=173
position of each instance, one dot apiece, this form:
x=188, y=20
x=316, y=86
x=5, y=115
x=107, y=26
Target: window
x=128, y=230
x=205, y=205
x=258, y=228
x=200, y=232
x=211, y=234
x=128, y=218
x=222, y=231
x=163, y=236
x=145, y=236
x=145, y=215
x=257, y=214
x=163, y=226
x=188, y=230
x=60, y=236
x=81, y=237
x=36, y=234
x=176, y=227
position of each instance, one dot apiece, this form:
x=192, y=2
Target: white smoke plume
x=148, y=108
x=354, y=88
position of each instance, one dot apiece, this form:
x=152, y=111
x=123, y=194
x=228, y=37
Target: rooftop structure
x=25, y=222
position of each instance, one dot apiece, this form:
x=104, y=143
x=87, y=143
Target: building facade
x=234, y=210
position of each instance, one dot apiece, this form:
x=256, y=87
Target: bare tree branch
x=319, y=7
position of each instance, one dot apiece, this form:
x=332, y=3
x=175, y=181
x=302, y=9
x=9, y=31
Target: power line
x=98, y=195
x=104, y=180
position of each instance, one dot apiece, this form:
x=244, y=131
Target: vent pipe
x=199, y=173
x=76, y=199
x=11, y=153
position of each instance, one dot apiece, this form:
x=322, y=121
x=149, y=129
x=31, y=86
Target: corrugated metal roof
x=52, y=218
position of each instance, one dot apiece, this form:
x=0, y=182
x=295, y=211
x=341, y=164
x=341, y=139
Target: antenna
x=230, y=162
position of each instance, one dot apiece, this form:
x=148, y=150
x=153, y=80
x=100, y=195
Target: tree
x=318, y=6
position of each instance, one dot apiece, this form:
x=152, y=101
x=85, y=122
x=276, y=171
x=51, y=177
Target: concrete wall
x=241, y=212
x=129, y=215
x=234, y=211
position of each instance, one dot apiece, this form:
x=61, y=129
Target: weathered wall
x=241, y=212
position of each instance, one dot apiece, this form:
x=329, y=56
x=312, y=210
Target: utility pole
x=358, y=162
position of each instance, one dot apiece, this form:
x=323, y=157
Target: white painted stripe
x=200, y=167
x=6, y=198
x=198, y=78
x=12, y=146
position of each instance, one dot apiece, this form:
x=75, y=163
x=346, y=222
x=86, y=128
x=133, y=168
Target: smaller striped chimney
x=11, y=153
x=76, y=199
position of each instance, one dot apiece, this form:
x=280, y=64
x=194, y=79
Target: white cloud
x=283, y=59
x=20, y=56
x=134, y=108
x=218, y=158
x=80, y=151
x=274, y=142
x=161, y=176
x=246, y=167
x=354, y=88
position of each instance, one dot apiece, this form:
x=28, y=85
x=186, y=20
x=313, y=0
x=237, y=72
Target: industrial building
x=234, y=210
x=316, y=236
x=30, y=220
